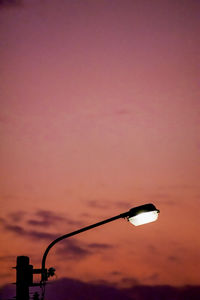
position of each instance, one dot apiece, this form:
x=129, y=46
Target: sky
x=100, y=112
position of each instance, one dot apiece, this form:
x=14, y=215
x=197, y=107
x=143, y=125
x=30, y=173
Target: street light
x=143, y=214
x=137, y=216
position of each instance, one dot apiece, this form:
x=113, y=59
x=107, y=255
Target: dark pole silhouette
x=24, y=278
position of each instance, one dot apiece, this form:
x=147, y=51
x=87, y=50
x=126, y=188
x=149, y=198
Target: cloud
x=16, y=229
x=40, y=218
x=152, y=249
x=73, y=222
x=100, y=246
x=153, y=277
x=19, y=230
x=115, y=273
x=79, y=290
x=7, y=291
x=123, y=205
x=76, y=289
x=129, y=281
x=47, y=218
x=41, y=235
x=2, y=221
x=73, y=250
x=34, y=222
x=98, y=204
x=17, y=216
x=174, y=258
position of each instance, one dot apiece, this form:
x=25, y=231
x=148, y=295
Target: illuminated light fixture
x=143, y=214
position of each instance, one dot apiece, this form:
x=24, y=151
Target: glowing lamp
x=143, y=214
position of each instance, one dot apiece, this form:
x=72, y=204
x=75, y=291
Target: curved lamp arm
x=137, y=216
x=65, y=236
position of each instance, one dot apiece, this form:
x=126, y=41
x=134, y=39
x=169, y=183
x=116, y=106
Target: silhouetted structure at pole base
x=24, y=277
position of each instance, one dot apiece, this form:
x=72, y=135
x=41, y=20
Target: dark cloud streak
x=45, y=218
x=19, y=230
x=73, y=250
x=17, y=216
x=75, y=289
x=48, y=218
x=100, y=246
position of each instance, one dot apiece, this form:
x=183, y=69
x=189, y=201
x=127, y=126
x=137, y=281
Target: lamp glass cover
x=144, y=218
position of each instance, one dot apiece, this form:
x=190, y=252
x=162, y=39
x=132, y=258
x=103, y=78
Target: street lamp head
x=143, y=214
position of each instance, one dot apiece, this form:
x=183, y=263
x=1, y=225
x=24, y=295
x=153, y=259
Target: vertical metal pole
x=23, y=278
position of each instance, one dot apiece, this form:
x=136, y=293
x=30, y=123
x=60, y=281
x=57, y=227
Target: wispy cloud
x=124, y=204
x=100, y=246
x=129, y=281
x=32, y=234
x=17, y=216
x=115, y=273
x=174, y=258
x=73, y=250
x=79, y=290
x=45, y=218
x=16, y=229
x=101, y=204
x=153, y=277
x=2, y=221
x=40, y=218
x=152, y=249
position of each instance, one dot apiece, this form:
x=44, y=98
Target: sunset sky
x=100, y=112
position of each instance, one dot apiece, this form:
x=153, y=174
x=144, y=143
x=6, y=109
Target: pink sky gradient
x=100, y=112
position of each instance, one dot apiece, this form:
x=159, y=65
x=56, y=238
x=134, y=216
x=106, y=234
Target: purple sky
x=100, y=112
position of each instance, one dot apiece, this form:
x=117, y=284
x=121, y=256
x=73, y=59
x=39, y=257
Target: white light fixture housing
x=143, y=214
